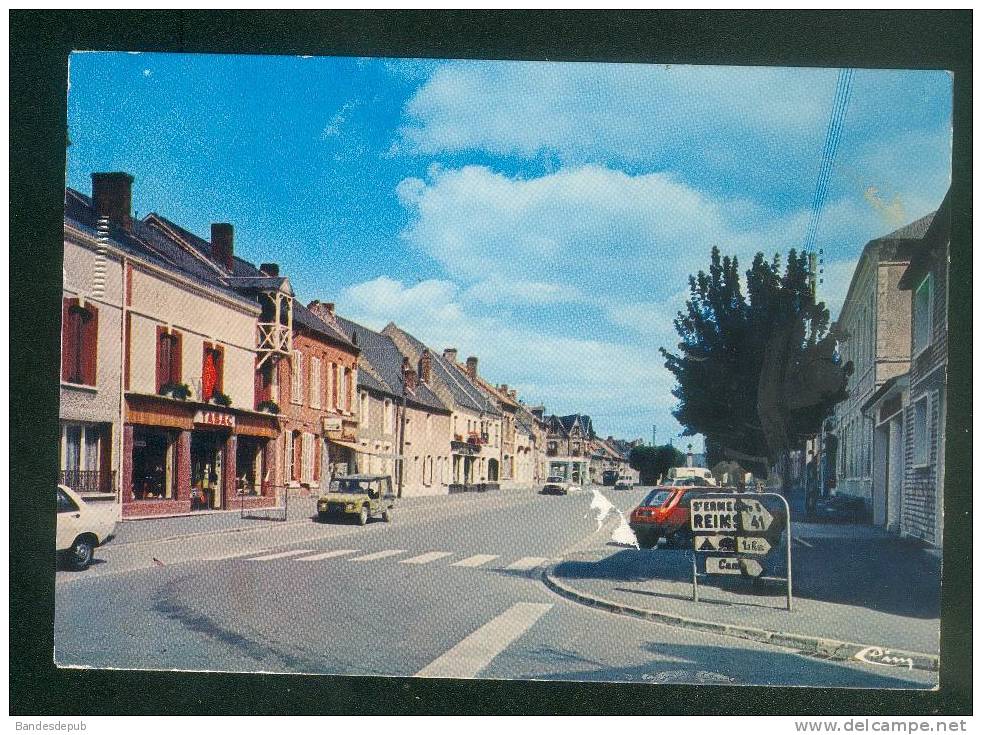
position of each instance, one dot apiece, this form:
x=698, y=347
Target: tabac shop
x=183, y=456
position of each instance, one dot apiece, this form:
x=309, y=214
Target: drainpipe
x=402, y=440
x=123, y=341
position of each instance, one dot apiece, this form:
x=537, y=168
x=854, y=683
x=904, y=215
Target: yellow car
x=361, y=496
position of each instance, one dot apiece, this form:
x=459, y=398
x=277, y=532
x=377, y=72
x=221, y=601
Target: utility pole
x=654, y=431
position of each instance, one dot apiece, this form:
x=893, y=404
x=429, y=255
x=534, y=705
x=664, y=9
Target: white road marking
x=476, y=651
x=528, y=562
x=379, y=555
x=280, y=555
x=327, y=555
x=803, y=542
x=426, y=558
x=475, y=561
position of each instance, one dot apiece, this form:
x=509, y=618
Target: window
x=168, y=357
x=315, y=382
x=79, y=337
x=154, y=463
x=363, y=407
x=212, y=371
x=288, y=456
x=296, y=387
x=922, y=432
x=923, y=303
x=346, y=391
x=333, y=394
x=387, y=417
x=307, y=459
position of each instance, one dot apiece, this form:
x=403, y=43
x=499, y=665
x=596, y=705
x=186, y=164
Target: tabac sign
x=215, y=418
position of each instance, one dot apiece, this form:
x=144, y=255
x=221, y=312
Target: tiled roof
x=913, y=231
x=385, y=360
x=464, y=393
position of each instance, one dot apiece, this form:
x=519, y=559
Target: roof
x=149, y=245
x=894, y=246
x=897, y=381
x=465, y=394
x=385, y=365
x=309, y=320
x=937, y=235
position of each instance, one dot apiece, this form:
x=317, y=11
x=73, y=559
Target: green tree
x=654, y=462
x=757, y=373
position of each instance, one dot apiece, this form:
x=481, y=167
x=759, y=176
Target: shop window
x=154, y=463
x=168, y=357
x=923, y=302
x=921, y=431
x=315, y=382
x=208, y=467
x=79, y=341
x=212, y=371
x=249, y=468
x=296, y=386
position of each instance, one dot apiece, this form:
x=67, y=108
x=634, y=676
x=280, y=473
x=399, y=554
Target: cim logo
x=883, y=657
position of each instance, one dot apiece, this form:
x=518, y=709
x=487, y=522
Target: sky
x=541, y=216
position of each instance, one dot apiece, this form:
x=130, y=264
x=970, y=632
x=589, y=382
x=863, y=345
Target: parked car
x=664, y=512
x=361, y=496
x=555, y=485
x=81, y=527
x=623, y=484
x=676, y=474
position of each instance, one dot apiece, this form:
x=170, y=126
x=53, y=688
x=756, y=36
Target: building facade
x=874, y=331
x=926, y=280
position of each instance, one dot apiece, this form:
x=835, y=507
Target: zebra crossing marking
x=475, y=561
x=379, y=555
x=327, y=555
x=427, y=557
x=527, y=562
x=280, y=555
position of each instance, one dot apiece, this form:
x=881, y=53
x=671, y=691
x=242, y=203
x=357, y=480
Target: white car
x=81, y=527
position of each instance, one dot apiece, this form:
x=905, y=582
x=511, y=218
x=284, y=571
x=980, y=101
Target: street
x=451, y=587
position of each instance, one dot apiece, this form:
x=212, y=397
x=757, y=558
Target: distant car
x=555, y=485
x=677, y=474
x=361, y=496
x=81, y=527
x=664, y=512
x=623, y=484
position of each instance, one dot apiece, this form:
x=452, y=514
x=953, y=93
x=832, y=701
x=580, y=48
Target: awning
x=363, y=450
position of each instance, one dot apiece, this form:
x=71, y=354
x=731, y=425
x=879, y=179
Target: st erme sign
x=738, y=526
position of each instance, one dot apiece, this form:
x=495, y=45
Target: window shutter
x=220, y=368
x=90, y=346
x=259, y=386
x=297, y=456
x=68, y=346
x=317, y=458
x=177, y=355
x=161, y=358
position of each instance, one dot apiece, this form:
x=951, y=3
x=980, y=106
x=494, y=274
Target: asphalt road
x=450, y=588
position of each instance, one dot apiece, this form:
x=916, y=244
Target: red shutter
x=209, y=372
x=176, y=356
x=220, y=369
x=90, y=346
x=161, y=366
x=68, y=346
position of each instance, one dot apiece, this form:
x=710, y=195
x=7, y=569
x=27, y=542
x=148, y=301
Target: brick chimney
x=221, y=244
x=503, y=388
x=408, y=376
x=425, y=366
x=514, y=394
x=472, y=367
x=112, y=197
x=450, y=354
x=270, y=269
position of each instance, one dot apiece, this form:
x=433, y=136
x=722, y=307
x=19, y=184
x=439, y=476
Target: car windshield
x=352, y=486
x=554, y=478
x=656, y=497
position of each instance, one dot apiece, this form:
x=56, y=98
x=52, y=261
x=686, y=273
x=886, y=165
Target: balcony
x=273, y=338
x=88, y=481
x=477, y=438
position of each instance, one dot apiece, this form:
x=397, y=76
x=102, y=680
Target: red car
x=664, y=513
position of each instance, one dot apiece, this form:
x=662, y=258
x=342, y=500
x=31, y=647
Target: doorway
x=207, y=455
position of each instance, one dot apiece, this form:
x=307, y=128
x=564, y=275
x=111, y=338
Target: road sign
x=716, y=515
x=715, y=543
x=732, y=565
x=752, y=545
x=754, y=517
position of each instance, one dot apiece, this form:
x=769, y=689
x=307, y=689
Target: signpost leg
x=695, y=576
x=788, y=528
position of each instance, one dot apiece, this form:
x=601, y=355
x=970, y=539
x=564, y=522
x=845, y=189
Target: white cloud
x=335, y=125
x=499, y=291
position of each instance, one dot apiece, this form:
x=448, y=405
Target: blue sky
x=542, y=216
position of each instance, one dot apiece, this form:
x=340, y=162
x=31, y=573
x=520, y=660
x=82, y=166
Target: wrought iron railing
x=89, y=481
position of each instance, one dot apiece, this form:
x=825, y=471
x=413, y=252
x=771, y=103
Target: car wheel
x=647, y=540
x=323, y=516
x=80, y=555
x=363, y=515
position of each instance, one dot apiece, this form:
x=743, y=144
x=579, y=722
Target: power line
x=833, y=134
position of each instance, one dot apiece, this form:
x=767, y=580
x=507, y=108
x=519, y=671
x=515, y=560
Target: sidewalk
x=851, y=584
x=300, y=510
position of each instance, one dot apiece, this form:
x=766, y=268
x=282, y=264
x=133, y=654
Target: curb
x=827, y=648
